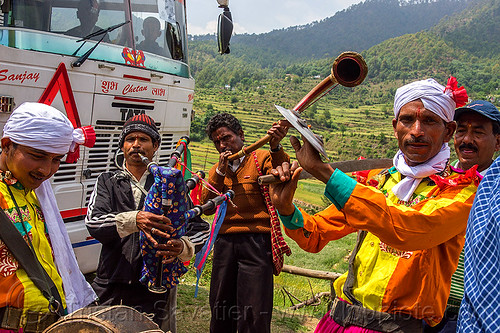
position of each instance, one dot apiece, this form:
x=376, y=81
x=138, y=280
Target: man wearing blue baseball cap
x=478, y=135
x=481, y=302
x=477, y=138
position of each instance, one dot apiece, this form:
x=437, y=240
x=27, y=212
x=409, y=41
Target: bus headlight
x=7, y=103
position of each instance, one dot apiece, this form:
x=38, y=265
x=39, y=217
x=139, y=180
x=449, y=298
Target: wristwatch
x=277, y=149
x=220, y=173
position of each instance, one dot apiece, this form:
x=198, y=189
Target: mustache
x=467, y=146
x=136, y=151
x=416, y=140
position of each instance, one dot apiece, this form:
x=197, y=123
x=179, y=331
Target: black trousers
x=241, y=287
x=137, y=296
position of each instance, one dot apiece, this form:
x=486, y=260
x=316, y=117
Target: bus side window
x=31, y=14
x=174, y=41
x=151, y=31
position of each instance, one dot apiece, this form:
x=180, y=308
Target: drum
x=104, y=319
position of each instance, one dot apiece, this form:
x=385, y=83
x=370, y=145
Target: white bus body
x=108, y=88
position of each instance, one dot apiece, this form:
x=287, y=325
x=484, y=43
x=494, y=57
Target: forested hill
x=476, y=30
x=465, y=44
x=357, y=28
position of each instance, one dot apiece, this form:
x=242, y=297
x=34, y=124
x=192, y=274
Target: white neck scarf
x=77, y=291
x=414, y=174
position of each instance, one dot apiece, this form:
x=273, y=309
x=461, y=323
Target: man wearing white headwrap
x=410, y=221
x=35, y=139
x=418, y=157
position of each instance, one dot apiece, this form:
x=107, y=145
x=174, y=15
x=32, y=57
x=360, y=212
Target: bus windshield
x=153, y=34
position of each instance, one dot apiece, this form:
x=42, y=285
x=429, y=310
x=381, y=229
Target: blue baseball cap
x=484, y=108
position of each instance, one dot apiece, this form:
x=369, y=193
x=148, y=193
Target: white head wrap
x=43, y=127
x=432, y=94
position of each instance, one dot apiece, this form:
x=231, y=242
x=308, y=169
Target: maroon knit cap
x=140, y=123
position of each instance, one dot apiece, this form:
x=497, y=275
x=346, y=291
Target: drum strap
x=27, y=259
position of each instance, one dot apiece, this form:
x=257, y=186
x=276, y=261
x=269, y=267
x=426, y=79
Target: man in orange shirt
x=410, y=227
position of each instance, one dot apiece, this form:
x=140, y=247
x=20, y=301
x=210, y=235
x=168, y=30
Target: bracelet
x=219, y=172
x=277, y=149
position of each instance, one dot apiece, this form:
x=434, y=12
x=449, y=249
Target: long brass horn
x=348, y=70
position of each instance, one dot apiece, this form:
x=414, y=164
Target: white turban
x=43, y=127
x=433, y=95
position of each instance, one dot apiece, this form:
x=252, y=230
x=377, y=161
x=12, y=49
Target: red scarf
x=278, y=245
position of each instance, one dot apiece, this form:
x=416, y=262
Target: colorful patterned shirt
x=405, y=262
x=16, y=289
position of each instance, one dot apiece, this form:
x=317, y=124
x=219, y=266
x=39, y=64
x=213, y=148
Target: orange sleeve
x=319, y=229
x=425, y=225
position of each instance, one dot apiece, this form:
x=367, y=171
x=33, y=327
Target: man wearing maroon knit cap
x=115, y=217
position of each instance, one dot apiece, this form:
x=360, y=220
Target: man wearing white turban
x=35, y=139
x=410, y=221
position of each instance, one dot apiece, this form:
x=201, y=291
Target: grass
x=310, y=191
x=194, y=313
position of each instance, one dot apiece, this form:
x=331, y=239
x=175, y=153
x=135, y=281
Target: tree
x=342, y=129
x=382, y=139
x=327, y=114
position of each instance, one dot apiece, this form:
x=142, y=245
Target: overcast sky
x=258, y=16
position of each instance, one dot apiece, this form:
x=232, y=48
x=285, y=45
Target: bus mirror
x=174, y=41
x=224, y=30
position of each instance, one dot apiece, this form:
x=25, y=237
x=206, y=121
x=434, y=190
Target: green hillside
x=476, y=30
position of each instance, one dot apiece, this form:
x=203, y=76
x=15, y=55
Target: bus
x=101, y=62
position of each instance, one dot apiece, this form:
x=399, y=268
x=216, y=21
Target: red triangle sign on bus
x=60, y=83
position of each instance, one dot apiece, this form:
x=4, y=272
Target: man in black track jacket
x=114, y=218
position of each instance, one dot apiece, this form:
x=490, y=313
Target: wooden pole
x=310, y=273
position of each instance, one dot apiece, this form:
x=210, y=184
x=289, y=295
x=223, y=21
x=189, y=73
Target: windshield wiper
x=102, y=32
